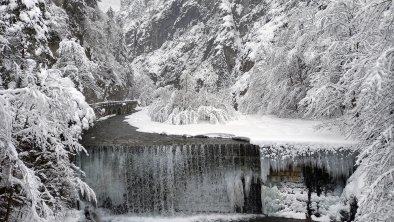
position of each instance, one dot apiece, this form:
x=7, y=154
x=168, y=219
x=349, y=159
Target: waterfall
x=175, y=179
x=215, y=178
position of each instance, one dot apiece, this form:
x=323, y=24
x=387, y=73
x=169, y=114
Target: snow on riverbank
x=261, y=130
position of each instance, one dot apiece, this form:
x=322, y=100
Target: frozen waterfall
x=175, y=179
x=337, y=162
x=215, y=178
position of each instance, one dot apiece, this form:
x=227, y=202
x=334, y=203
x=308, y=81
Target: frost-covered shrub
x=180, y=108
x=182, y=117
x=213, y=115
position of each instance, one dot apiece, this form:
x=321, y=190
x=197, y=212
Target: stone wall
x=114, y=107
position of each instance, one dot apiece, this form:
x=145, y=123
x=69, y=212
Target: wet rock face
x=188, y=34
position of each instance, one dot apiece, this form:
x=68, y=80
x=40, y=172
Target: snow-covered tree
x=103, y=42
x=17, y=182
x=179, y=107
x=42, y=117
x=341, y=54
x=40, y=146
x=24, y=28
x=106, y=43
x=74, y=64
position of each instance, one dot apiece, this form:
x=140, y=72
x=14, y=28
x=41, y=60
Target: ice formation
x=337, y=162
x=215, y=178
x=299, y=181
x=167, y=180
x=208, y=114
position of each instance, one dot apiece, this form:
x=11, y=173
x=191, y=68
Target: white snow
x=105, y=117
x=104, y=5
x=289, y=200
x=261, y=130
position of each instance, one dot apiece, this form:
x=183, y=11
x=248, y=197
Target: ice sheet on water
x=105, y=117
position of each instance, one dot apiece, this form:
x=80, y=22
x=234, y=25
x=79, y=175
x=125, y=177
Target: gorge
x=196, y=110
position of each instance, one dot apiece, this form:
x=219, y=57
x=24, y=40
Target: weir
x=151, y=174
x=173, y=179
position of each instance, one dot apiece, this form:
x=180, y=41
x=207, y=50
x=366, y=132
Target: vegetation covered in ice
x=182, y=107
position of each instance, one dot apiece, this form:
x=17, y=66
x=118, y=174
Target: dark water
x=116, y=131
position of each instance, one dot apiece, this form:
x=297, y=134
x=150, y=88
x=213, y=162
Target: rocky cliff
x=204, y=41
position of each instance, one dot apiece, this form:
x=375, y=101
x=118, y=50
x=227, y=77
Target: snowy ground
x=261, y=130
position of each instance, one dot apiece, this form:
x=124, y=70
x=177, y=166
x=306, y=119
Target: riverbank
x=260, y=130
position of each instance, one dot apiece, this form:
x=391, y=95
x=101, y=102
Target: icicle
x=338, y=163
x=175, y=178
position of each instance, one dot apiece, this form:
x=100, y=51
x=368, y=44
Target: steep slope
x=195, y=47
x=103, y=44
x=195, y=38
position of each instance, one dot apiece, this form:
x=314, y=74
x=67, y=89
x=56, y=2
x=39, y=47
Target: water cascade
x=215, y=178
x=159, y=175
x=175, y=179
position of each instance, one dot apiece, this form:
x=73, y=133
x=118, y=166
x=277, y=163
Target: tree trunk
x=7, y=214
